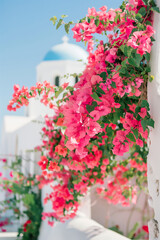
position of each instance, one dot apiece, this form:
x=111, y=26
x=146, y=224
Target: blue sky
x=26, y=34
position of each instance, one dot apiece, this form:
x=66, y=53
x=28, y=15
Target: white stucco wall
x=154, y=156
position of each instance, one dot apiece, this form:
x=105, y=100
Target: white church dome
x=66, y=51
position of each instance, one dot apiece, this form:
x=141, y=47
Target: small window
x=57, y=81
x=76, y=79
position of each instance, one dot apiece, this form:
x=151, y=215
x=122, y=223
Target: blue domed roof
x=66, y=51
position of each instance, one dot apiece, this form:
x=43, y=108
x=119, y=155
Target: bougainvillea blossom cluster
x=100, y=130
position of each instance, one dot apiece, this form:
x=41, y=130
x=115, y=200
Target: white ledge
x=8, y=234
x=79, y=228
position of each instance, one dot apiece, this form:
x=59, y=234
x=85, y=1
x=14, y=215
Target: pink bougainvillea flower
x=43, y=162
x=60, y=122
x=143, y=112
x=9, y=190
x=11, y=174
x=95, y=79
x=145, y=228
x=104, y=8
x=61, y=150
x=53, y=166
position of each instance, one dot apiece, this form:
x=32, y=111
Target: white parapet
x=154, y=156
x=78, y=228
x=8, y=236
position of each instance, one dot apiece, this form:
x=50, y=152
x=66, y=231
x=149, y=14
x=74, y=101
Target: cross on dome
x=65, y=39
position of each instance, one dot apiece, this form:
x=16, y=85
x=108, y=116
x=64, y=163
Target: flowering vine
x=99, y=131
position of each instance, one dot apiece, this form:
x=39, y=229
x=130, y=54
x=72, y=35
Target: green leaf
x=135, y=60
x=109, y=71
x=113, y=84
x=132, y=62
x=150, y=122
x=152, y=39
x=103, y=75
x=127, y=51
x=147, y=56
x=145, y=2
x=123, y=70
x=103, y=23
x=54, y=20
x=133, y=230
x=138, y=59
x=64, y=16
x=109, y=131
x=151, y=78
x=88, y=20
x=142, y=11
x=95, y=97
x=102, y=125
x=100, y=90
x=144, y=124
x=17, y=188
x=76, y=181
x=117, y=67
x=69, y=88
x=138, y=109
x=145, y=104
x=117, y=18
x=28, y=199
x=122, y=48
x=156, y=9
x=57, y=93
x=131, y=137
x=116, y=229
x=148, y=69
x=67, y=26
x=97, y=21
x=148, y=23
x=139, y=17
x=90, y=108
x=59, y=23
x=135, y=132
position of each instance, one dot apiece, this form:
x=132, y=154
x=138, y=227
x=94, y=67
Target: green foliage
x=142, y=11
x=113, y=84
x=97, y=21
x=103, y=75
x=90, y=108
x=131, y=137
x=144, y=124
x=67, y=26
x=54, y=20
x=24, y=191
x=95, y=97
x=28, y=199
x=116, y=229
x=156, y=9
x=133, y=230
x=100, y=90
x=60, y=22
x=58, y=91
x=151, y=78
